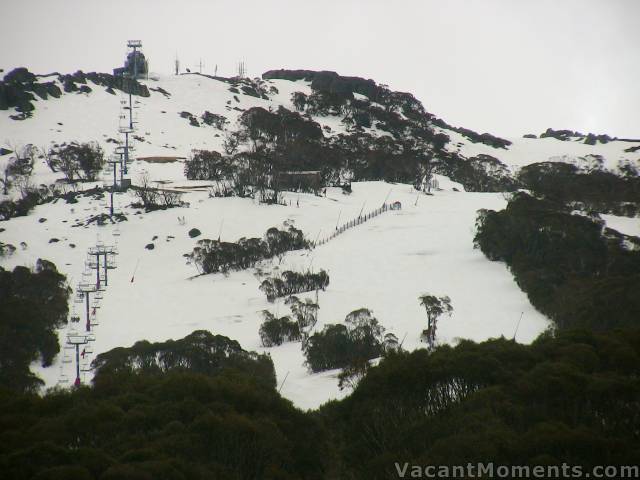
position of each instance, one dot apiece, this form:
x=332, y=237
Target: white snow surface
x=525, y=151
x=384, y=264
x=625, y=225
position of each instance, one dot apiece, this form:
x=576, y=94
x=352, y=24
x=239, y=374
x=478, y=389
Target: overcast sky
x=508, y=67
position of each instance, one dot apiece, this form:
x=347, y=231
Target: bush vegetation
x=196, y=408
x=153, y=198
x=568, y=398
x=360, y=338
x=78, y=161
x=270, y=143
x=213, y=256
x=597, y=189
x=290, y=283
x=276, y=331
x=200, y=352
x=33, y=305
x=573, y=270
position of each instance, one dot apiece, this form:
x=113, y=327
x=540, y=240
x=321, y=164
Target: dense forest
x=202, y=408
x=570, y=397
x=573, y=269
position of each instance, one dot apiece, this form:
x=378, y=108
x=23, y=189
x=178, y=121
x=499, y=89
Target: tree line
x=570, y=396
x=588, y=189
x=195, y=408
x=572, y=268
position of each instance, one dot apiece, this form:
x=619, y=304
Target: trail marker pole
x=77, y=340
x=282, y=384
x=517, y=326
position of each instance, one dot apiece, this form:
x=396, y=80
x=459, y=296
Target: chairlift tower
x=124, y=151
x=109, y=252
x=86, y=289
x=126, y=131
x=135, y=45
x=114, y=161
x=74, y=340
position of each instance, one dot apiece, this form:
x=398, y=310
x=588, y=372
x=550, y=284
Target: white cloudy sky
x=505, y=66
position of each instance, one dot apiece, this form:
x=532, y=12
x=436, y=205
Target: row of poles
x=101, y=257
x=120, y=159
x=89, y=293
x=359, y=220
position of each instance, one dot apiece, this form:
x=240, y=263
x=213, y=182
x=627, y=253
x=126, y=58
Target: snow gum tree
x=435, y=308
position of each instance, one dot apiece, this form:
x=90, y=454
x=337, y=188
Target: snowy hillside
x=163, y=132
x=383, y=264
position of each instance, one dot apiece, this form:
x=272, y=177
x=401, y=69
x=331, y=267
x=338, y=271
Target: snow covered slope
x=162, y=131
x=384, y=264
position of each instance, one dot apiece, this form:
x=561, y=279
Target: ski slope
x=384, y=264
